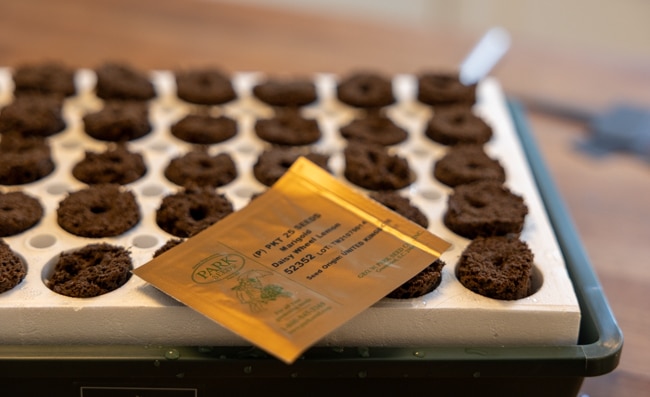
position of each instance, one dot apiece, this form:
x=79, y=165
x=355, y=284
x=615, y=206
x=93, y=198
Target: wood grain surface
x=607, y=197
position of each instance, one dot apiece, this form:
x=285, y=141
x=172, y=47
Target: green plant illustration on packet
x=252, y=291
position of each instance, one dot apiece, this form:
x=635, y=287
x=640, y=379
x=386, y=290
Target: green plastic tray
x=103, y=370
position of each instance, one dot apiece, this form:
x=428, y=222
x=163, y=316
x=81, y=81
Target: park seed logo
x=217, y=267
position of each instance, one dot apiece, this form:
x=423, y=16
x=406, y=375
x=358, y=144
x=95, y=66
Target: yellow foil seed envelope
x=296, y=263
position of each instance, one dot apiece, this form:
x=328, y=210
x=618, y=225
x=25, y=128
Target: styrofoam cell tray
x=137, y=313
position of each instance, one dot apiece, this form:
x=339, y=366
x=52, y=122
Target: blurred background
x=620, y=28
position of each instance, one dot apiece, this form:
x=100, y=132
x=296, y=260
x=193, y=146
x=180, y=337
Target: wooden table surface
x=606, y=197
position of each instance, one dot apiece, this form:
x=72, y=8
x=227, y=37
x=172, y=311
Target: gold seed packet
x=296, y=263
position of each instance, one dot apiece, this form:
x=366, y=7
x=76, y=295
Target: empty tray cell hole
x=57, y=189
x=89, y=271
x=42, y=241
x=431, y=194
x=245, y=192
x=421, y=151
x=145, y=241
x=499, y=279
x=152, y=191
x=159, y=147
x=70, y=144
x=167, y=109
x=245, y=148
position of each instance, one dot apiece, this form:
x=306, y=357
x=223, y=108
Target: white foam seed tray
x=137, y=313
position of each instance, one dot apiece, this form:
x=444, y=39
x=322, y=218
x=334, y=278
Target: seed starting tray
x=138, y=340
x=138, y=313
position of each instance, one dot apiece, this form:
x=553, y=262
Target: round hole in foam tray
x=536, y=280
x=50, y=266
x=57, y=189
x=71, y=144
x=145, y=241
x=420, y=151
x=152, y=190
x=159, y=147
x=246, y=148
x=245, y=192
x=431, y=194
x=42, y=241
